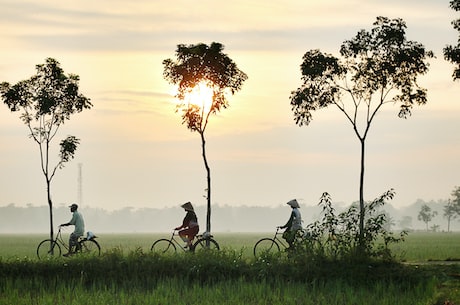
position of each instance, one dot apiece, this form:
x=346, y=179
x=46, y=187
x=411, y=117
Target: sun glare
x=200, y=95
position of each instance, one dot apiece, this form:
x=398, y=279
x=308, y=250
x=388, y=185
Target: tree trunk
x=361, y=199
x=208, y=179
x=50, y=205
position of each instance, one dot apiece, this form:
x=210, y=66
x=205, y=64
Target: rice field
x=417, y=247
x=128, y=273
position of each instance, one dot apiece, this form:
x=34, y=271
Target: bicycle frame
x=279, y=240
x=198, y=238
x=174, y=240
x=60, y=240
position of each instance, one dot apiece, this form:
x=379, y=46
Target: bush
x=336, y=237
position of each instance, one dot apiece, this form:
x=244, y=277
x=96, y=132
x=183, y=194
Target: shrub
x=336, y=237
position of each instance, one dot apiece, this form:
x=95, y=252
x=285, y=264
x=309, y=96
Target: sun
x=201, y=96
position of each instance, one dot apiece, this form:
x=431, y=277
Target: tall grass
x=224, y=277
x=176, y=291
x=128, y=273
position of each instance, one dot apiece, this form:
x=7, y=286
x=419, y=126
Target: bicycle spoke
x=89, y=247
x=205, y=244
x=163, y=246
x=47, y=249
x=266, y=246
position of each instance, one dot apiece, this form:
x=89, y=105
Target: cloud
x=118, y=26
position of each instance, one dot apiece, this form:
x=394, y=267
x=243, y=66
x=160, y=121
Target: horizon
x=225, y=218
x=134, y=149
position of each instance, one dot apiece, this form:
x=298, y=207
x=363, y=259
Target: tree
x=456, y=196
x=46, y=101
x=426, y=215
x=376, y=67
x=405, y=223
x=452, y=53
x=450, y=212
x=452, y=208
x=198, y=68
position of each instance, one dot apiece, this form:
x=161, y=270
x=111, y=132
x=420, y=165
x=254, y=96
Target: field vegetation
x=426, y=272
x=326, y=266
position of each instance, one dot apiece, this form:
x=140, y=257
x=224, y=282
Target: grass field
x=417, y=247
x=128, y=273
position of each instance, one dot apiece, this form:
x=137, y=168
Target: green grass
x=210, y=278
x=417, y=247
x=231, y=292
x=127, y=273
x=22, y=245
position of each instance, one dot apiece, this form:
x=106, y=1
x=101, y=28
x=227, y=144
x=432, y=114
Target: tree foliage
x=375, y=68
x=452, y=53
x=202, y=64
x=426, y=215
x=452, y=208
x=45, y=101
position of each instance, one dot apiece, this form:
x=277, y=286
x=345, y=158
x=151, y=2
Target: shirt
x=190, y=220
x=78, y=222
x=295, y=221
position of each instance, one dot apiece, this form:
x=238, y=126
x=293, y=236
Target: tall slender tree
x=450, y=212
x=45, y=101
x=376, y=67
x=199, y=68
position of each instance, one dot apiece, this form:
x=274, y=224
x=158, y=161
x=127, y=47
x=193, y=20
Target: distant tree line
x=451, y=211
x=33, y=219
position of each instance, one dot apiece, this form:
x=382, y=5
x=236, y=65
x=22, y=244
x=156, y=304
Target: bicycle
x=272, y=245
x=204, y=242
x=52, y=247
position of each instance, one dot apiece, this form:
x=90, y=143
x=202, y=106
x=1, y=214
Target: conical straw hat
x=187, y=206
x=293, y=203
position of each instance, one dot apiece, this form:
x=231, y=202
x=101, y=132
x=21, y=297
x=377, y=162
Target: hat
x=293, y=203
x=187, y=206
x=73, y=205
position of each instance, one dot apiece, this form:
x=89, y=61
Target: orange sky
x=134, y=150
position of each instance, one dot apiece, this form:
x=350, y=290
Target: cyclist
x=189, y=228
x=294, y=223
x=79, y=223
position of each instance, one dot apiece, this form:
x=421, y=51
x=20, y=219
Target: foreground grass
x=175, y=291
x=128, y=273
x=224, y=277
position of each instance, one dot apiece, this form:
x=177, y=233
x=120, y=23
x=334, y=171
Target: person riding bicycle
x=189, y=228
x=294, y=223
x=79, y=230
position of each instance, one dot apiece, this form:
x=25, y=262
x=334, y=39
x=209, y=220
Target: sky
x=135, y=152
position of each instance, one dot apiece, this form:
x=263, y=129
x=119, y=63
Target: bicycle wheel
x=89, y=247
x=265, y=246
x=205, y=245
x=47, y=249
x=163, y=246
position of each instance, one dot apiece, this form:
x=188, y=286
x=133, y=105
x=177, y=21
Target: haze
x=135, y=152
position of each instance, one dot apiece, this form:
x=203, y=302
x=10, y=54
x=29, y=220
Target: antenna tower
x=80, y=182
